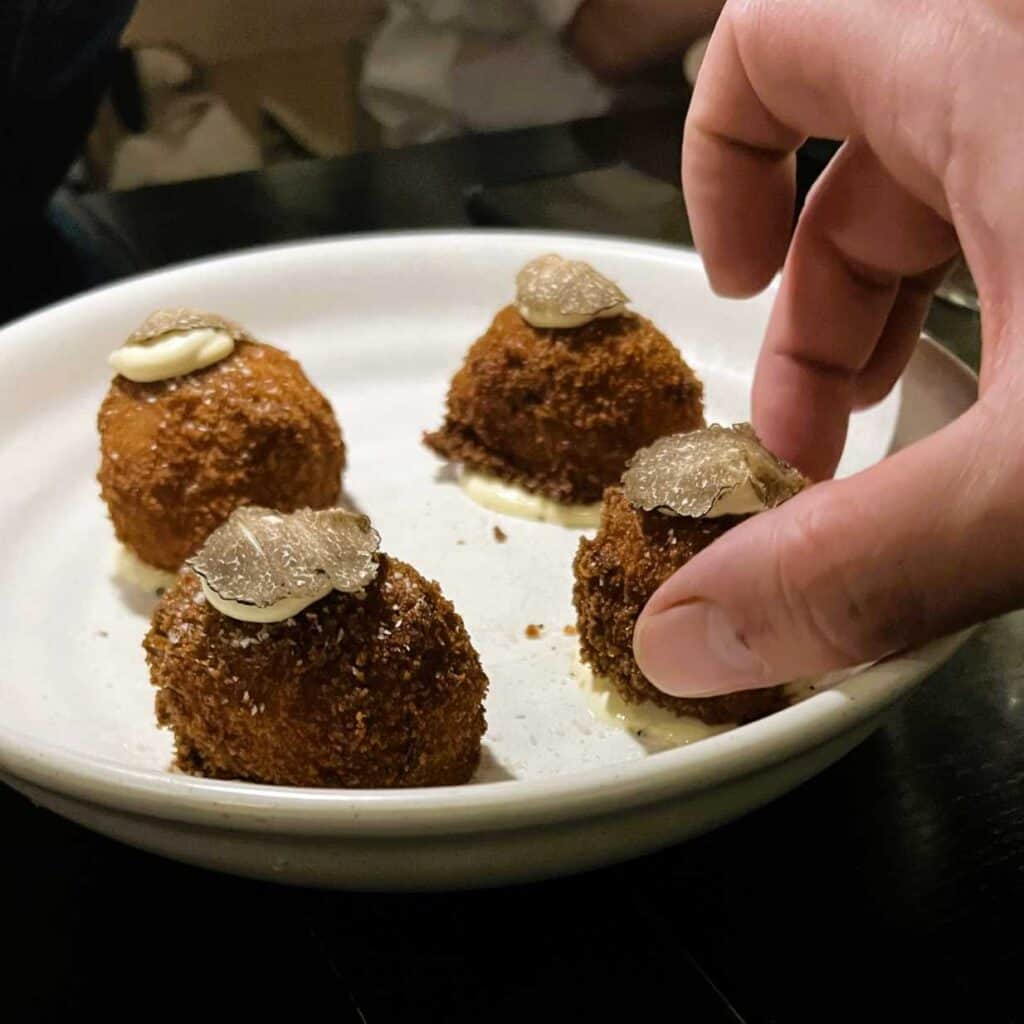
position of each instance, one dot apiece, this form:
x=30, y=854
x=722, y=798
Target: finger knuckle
x=830, y=601
x=869, y=390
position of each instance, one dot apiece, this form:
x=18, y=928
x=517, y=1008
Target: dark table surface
x=890, y=887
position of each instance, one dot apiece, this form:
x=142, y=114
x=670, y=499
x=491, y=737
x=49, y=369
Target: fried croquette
x=631, y=555
x=358, y=690
x=559, y=411
x=179, y=455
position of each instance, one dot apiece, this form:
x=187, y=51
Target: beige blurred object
x=214, y=31
x=693, y=58
x=233, y=85
x=311, y=93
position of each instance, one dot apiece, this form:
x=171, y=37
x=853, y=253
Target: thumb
x=926, y=542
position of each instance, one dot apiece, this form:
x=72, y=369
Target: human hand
x=927, y=93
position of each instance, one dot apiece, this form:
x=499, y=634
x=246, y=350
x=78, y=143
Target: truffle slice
x=712, y=472
x=169, y=321
x=261, y=559
x=555, y=292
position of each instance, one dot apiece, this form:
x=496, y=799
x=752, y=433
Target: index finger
x=739, y=152
x=868, y=240
x=776, y=72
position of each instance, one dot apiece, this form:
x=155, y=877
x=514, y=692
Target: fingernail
x=693, y=650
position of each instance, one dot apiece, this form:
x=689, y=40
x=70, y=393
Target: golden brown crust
x=179, y=455
x=559, y=412
x=383, y=690
x=631, y=555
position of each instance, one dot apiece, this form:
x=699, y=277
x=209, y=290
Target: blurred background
x=335, y=116
x=207, y=87
x=114, y=113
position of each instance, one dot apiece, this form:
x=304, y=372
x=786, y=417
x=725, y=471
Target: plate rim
x=361, y=238
x=486, y=806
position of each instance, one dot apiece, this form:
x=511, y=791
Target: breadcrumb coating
x=631, y=555
x=382, y=689
x=559, y=412
x=178, y=456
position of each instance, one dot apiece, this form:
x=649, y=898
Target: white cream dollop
x=172, y=354
x=286, y=608
x=509, y=499
x=655, y=727
x=131, y=569
x=552, y=320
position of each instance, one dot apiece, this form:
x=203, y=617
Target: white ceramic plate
x=380, y=323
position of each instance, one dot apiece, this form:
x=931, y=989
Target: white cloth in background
x=440, y=67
